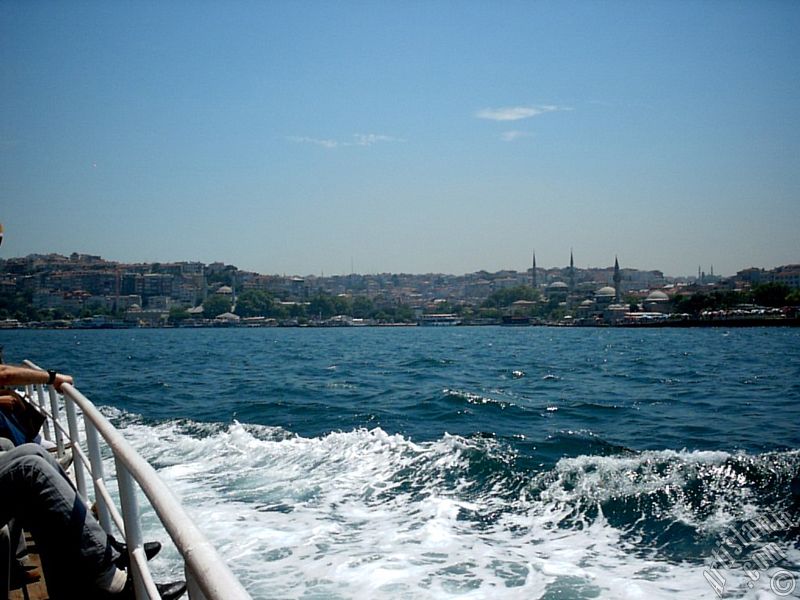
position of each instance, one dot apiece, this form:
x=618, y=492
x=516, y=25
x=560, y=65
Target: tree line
x=255, y=303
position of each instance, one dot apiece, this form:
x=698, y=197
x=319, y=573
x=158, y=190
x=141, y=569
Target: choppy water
x=465, y=462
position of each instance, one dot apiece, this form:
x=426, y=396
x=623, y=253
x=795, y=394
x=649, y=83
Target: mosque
x=604, y=304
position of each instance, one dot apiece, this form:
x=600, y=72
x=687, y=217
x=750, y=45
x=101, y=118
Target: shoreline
x=666, y=323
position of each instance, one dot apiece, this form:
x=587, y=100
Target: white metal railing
x=207, y=575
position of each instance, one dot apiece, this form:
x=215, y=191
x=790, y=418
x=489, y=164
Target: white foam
x=365, y=514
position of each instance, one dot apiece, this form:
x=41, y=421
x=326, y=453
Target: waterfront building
x=557, y=291
x=157, y=284
x=751, y=276
x=604, y=297
x=162, y=303
x=125, y=302
x=132, y=283
x=788, y=275
x=657, y=302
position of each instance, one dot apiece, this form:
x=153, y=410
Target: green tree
x=507, y=296
x=321, y=306
x=254, y=303
x=693, y=304
x=63, y=313
x=404, y=314
x=771, y=294
x=363, y=307
x=298, y=311
x=342, y=305
x=177, y=314
x=216, y=305
x=18, y=306
x=226, y=276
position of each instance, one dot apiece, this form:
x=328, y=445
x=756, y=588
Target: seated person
x=77, y=555
x=19, y=421
x=79, y=559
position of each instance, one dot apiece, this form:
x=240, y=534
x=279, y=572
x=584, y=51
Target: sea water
x=464, y=462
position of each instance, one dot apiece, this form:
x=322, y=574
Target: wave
x=477, y=399
x=365, y=513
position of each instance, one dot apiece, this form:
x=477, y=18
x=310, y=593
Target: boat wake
x=366, y=514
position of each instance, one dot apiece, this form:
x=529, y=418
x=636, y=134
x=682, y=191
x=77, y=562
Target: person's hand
x=10, y=401
x=60, y=380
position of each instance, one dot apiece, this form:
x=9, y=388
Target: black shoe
x=167, y=591
x=171, y=591
x=124, y=561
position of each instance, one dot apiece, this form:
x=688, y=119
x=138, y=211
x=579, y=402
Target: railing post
x=193, y=590
x=75, y=436
x=56, y=429
x=130, y=515
x=97, y=473
x=203, y=566
x=40, y=401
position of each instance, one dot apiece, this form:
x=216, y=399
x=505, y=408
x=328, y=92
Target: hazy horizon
x=450, y=137
x=705, y=269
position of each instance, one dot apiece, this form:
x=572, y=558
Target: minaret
x=571, y=273
x=533, y=272
x=617, y=281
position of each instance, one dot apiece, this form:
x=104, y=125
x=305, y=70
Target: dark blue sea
x=464, y=462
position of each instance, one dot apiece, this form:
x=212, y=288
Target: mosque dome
x=557, y=285
x=606, y=291
x=225, y=290
x=587, y=303
x=657, y=296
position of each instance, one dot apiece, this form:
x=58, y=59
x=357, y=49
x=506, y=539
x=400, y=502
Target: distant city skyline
x=442, y=137
x=703, y=270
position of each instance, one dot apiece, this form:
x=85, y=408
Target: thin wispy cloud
x=368, y=139
x=357, y=139
x=516, y=113
x=510, y=136
x=299, y=139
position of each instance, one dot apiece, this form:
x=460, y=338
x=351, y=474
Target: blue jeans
x=73, y=547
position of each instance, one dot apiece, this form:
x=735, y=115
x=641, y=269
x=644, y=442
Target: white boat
x=439, y=320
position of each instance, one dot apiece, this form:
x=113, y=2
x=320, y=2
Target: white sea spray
x=367, y=514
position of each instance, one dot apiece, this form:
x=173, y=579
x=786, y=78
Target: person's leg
x=37, y=450
x=5, y=561
x=18, y=546
x=18, y=540
x=73, y=547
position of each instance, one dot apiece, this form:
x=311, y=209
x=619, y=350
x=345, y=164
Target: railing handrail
x=207, y=573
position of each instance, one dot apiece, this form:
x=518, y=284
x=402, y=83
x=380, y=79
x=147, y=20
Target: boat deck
x=34, y=591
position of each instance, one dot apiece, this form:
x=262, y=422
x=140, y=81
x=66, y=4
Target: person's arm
x=23, y=376
x=8, y=401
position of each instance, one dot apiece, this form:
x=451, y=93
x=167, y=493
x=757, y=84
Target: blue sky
x=316, y=137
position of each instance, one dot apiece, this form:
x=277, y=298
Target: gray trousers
x=36, y=492
x=5, y=561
